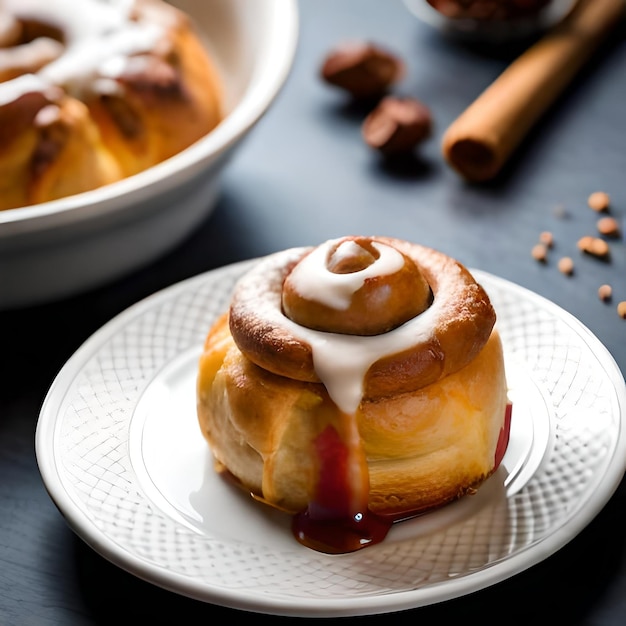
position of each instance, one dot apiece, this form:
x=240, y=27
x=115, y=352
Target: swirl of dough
x=361, y=289
x=432, y=344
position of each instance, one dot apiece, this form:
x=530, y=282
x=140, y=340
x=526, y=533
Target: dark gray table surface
x=302, y=177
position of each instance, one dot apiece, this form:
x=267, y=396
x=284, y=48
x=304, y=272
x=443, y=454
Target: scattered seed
x=608, y=226
x=594, y=246
x=539, y=252
x=599, y=201
x=605, y=292
x=546, y=238
x=566, y=265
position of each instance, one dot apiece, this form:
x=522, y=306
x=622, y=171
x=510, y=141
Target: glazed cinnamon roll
x=354, y=384
x=92, y=92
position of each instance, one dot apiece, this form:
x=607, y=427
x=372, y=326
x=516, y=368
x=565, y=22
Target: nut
x=594, y=246
x=546, y=238
x=397, y=125
x=621, y=309
x=362, y=69
x=599, y=201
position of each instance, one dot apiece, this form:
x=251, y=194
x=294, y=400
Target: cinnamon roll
x=92, y=92
x=354, y=384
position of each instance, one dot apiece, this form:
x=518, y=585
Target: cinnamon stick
x=479, y=142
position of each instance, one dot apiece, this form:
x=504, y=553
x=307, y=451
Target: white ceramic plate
x=122, y=457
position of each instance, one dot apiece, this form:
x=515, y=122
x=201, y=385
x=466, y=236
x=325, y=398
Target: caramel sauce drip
x=337, y=519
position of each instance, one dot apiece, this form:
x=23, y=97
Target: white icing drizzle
x=29, y=57
x=99, y=38
x=342, y=361
x=336, y=290
x=13, y=89
x=47, y=116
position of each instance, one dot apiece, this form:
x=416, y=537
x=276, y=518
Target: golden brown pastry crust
x=173, y=99
x=43, y=136
x=423, y=448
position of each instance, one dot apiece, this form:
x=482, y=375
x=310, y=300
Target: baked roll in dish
x=355, y=384
x=92, y=92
